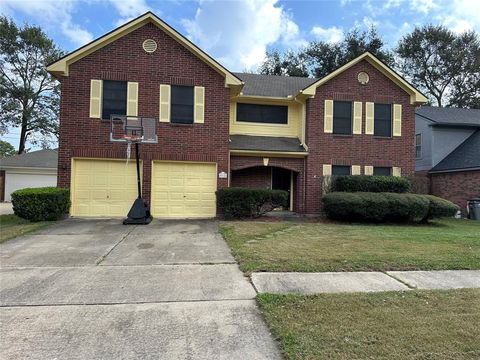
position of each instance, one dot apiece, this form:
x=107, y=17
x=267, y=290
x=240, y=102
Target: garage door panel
x=103, y=187
x=182, y=190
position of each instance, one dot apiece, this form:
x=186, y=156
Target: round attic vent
x=363, y=77
x=149, y=46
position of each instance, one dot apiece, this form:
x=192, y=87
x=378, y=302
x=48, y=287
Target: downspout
x=305, y=146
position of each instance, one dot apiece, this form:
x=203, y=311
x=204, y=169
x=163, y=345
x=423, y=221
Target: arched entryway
x=267, y=177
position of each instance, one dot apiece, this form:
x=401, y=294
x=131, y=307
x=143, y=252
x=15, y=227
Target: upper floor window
x=382, y=171
x=340, y=170
x=383, y=120
x=114, y=98
x=342, y=117
x=265, y=114
x=418, y=146
x=181, y=104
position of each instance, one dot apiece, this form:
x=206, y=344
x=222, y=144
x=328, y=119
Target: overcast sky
x=237, y=33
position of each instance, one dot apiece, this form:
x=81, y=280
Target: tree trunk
x=23, y=137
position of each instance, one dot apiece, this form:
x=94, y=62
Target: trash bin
x=474, y=209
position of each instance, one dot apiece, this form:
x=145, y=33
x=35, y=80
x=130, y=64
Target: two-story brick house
x=217, y=128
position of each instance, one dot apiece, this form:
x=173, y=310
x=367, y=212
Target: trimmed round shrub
x=365, y=183
x=375, y=207
x=41, y=204
x=237, y=203
x=439, y=208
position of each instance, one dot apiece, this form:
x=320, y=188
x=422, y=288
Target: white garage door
x=15, y=181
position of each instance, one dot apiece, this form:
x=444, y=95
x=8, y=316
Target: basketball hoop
x=134, y=130
x=130, y=139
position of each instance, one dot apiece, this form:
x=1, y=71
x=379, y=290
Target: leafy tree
x=320, y=58
x=324, y=57
x=28, y=93
x=444, y=65
x=6, y=149
x=289, y=63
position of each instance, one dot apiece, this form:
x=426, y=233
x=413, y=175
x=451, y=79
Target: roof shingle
x=273, y=85
x=36, y=159
x=450, y=116
x=465, y=156
x=265, y=143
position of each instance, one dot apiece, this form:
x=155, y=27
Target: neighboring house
x=217, y=128
x=447, y=142
x=33, y=169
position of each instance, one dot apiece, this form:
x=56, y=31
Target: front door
x=281, y=180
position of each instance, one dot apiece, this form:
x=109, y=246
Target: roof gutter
x=292, y=154
x=454, y=170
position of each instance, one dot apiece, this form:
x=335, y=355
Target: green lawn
x=390, y=325
x=310, y=247
x=12, y=226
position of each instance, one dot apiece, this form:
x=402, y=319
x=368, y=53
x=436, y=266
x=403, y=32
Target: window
x=182, y=104
x=265, y=114
x=418, y=146
x=382, y=171
x=114, y=101
x=342, y=117
x=339, y=170
x=383, y=120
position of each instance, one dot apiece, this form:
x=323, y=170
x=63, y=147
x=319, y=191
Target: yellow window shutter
x=96, y=99
x=327, y=170
x=369, y=118
x=132, y=99
x=396, y=171
x=328, y=117
x=199, y=103
x=397, y=120
x=368, y=170
x=355, y=169
x=164, y=103
x=357, y=117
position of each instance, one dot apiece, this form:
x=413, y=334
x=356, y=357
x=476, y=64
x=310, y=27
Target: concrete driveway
x=6, y=208
x=95, y=289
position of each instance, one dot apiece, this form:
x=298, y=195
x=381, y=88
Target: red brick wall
x=124, y=59
x=297, y=165
x=356, y=149
x=458, y=187
x=255, y=177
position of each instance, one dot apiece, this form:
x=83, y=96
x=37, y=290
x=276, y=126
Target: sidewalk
x=334, y=282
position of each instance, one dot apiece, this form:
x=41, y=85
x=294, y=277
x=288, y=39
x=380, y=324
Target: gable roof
x=60, y=67
x=273, y=85
x=44, y=159
x=416, y=97
x=450, y=116
x=464, y=157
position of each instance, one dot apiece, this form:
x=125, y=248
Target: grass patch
x=311, y=247
x=440, y=324
x=12, y=226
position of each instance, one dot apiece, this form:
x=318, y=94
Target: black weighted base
x=139, y=214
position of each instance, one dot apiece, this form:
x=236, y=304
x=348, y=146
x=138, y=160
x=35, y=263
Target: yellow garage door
x=183, y=190
x=103, y=187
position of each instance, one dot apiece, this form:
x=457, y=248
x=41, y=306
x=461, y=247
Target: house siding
x=356, y=149
x=124, y=59
x=458, y=187
x=256, y=177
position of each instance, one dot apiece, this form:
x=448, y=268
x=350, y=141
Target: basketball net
x=131, y=139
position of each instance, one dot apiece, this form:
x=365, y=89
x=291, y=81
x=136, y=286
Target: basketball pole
x=139, y=213
x=139, y=186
